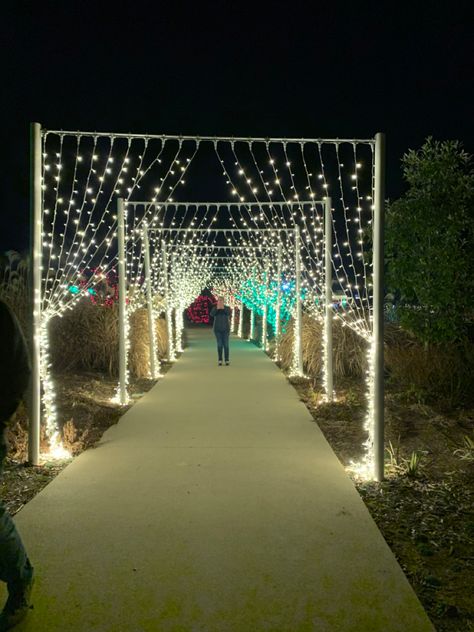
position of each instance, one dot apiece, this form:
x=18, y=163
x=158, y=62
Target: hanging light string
x=51, y=254
x=349, y=254
x=360, y=241
x=235, y=188
x=80, y=225
x=241, y=171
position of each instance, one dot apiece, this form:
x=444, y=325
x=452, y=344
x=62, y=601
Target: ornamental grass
x=441, y=373
x=87, y=337
x=438, y=373
x=349, y=349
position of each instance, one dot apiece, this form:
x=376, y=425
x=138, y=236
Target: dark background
x=284, y=69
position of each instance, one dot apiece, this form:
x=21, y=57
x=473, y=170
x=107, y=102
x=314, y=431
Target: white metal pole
x=177, y=331
x=252, y=324
x=174, y=310
x=122, y=303
x=241, y=319
x=298, y=320
x=169, y=324
x=328, y=316
x=35, y=275
x=179, y=325
x=234, y=317
x=378, y=305
x=265, y=313
x=232, y=313
x=278, y=307
x=154, y=362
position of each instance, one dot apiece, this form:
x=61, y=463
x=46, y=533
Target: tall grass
x=87, y=337
x=442, y=374
x=349, y=350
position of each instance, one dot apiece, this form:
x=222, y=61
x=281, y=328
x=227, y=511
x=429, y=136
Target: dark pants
x=222, y=338
x=15, y=567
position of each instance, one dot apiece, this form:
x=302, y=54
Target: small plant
x=466, y=452
x=412, y=465
x=352, y=398
x=394, y=455
x=408, y=467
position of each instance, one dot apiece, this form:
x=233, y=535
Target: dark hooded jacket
x=14, y=364
x=221, y=319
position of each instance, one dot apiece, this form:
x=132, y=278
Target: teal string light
x=254, y=296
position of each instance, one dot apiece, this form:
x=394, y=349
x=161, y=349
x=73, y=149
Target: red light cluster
x=198, y=312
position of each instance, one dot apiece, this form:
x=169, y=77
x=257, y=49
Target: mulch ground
x=425, y=512
x=85, y=411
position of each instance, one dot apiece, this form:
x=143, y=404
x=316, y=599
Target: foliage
x=466, y=453
x=442, y=373
x=400, y=465
x=14, y=288
x=412, y=465
x=87, y=338
x=430, y=242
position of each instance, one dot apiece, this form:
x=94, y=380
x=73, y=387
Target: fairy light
x=56, y=448
x=291, y=171
x=365, y=468
x=241, y=320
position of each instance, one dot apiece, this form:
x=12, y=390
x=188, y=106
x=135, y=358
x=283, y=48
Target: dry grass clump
x=17, y=434
x=349, y=349
x=161, y=332
x=441, y=373
x=86, y=338
x=139, y=356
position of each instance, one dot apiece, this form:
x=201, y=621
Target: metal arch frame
x=144, y=235
x=219, y=204
x=212, y=139
x=327, y=341
x=37, y=133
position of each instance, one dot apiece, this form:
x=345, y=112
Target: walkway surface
x=215, y=505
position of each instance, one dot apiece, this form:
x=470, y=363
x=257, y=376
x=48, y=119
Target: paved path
x=215, y=505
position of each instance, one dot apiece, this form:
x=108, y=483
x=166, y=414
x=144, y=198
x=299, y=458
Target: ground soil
x=426, y=514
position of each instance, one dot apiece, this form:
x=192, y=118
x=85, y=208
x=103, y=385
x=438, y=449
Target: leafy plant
x=394, y=455
x=429, y=243
x=466, y=452
x=407, y=467
x=412, y=465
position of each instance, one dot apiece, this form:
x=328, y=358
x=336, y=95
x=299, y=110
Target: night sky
x=336, y=70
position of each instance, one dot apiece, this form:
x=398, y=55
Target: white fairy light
x=85, y=240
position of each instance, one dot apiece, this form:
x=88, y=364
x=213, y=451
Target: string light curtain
x=272, y=184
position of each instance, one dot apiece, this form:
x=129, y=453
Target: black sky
x=281, y=69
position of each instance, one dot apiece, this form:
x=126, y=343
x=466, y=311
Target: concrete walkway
x=215, y=505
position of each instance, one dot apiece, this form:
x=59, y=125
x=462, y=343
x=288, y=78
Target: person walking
x=15, y=567
x=221, y=314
